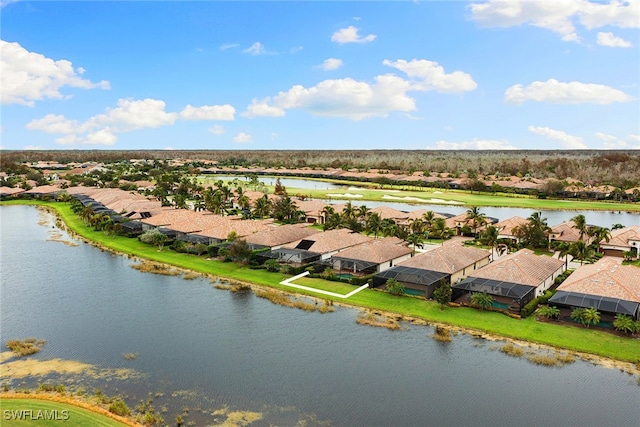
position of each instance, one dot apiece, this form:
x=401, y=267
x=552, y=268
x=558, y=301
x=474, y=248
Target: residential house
x=276, y=236
x=607, y=285
x=622, y=240
x=423, y=273
x=506, y=227
x=567, y=232
x=372, y=256
x=512, y=280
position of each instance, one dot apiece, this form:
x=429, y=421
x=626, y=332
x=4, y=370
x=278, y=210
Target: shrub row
x=532, y=305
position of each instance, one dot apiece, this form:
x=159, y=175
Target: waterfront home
x=622, y=240
x=372, y=256
x=277, y=235
x=319, y=246
x=512, y=280
x=607, y=285
x=312, y=210
x=506, y=227
x=10, y=192
x=240, y=227
x=567, y=232
x=423, y=273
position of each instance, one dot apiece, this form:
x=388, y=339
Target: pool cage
x=514, y=294
x=352, y=266
x=424, y=282
x=288, y=256
x=603, y=304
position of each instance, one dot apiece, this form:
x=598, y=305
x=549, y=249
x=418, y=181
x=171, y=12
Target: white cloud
x=296, y=49
x=255, y=49
x=216, y=130
x=208, y=112
x=557, y=16
x=263, y=109
x=229, y=46
x=242, y=138
x=556, y=92
x=331, y=64
x=567, y=141
x=350, y=35
x=475, y=144
x=26, y=76
x=128, y=116
x=613, y=142
x=609, y=40
x=433, y=77
x=358, y=99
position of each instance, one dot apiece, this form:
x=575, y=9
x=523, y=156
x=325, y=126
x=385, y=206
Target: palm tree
x=591, y=316
x=327, y=211
x=482, y=299
x=476, y=217
x=580, y=250
x=549, y=311
x=490, y=237
x=373, y=224
x=624, y=323
x=427, y=219
x=580, y=224
x=599, y=233
x=415, y=240
x=262, y=207
x=577, y=314
x=349, y=211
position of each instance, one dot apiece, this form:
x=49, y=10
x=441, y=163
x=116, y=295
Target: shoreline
x=626, y=365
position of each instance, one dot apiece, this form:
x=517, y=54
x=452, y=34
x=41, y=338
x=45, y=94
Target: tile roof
x=523, y=267
x=622, y=236
x=418, y=214
x=44, y=189
x=606, y=278
x=566, y=232
x=11, y=190
x=387, y=212
x=242, y=227
x=311, y=207
x=505, y=227
x=376, y=250
x=170, y=217
x=447, y=258
x=280, y=235
x=331, y=241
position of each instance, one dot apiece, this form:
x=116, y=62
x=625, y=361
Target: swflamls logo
x=35, y=415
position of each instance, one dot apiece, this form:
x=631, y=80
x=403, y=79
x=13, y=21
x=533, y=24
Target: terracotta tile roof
x=280, y=235
x=505, y=227
x=418, y=214
x=387, y=212
x=11, y=190
x=332, y=241
x=447, y=258
x=622, y=236
x=566, y=232
x=170, y=217
x=44, y=189
x=311, y=207
x=606, y=278
x=242, y=227
x=376, y=250
x=523, y=267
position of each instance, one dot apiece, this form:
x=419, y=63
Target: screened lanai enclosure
x=289, y=256
x=507, y=295
x=416, y=281
x=608, y=306
x=352, y=266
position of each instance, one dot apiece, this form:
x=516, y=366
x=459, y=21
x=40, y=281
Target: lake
x=212, y=350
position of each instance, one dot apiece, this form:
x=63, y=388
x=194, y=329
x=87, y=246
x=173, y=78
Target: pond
x=219, y=353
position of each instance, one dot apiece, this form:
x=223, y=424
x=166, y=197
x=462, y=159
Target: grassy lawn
x=66, y=414
x=569, y=337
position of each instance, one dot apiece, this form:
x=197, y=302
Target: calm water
x=207, y=348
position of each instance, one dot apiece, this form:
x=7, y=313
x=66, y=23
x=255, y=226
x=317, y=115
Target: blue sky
x=507, y=74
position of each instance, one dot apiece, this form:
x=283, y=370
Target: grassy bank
x=568, y=337
x=49, y=411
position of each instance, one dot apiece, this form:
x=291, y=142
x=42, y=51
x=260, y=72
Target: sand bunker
x=420, y=200
x=345, y=195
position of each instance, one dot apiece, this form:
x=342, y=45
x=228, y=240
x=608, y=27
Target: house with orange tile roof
x=512, y=280
x=622, y=240
x=10, y=191
x=423, y=273
x=277, y=235
x=507, y=226
x=607, y=285
x=370, y=257
x=567, y=232
x=241, y=227
x=312, y=210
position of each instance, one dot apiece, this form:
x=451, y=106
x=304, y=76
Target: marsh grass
x=190, y=275
x=284, y=299
x=377, y=320
x=155, y=268
x=442, y=334
x=512, y=350
x=555, y=359
x=25, y=347
x=327, y=307
x=131, y=356
x=232, y=286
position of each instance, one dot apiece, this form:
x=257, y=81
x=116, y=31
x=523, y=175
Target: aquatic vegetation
x=155, y=268
x=131, y=356
x=511, y=350
x=442, y=334
x=25, y=347
x=377, y=320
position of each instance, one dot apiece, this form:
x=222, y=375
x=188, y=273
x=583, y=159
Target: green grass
x=563, y=336
x=75, y=415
